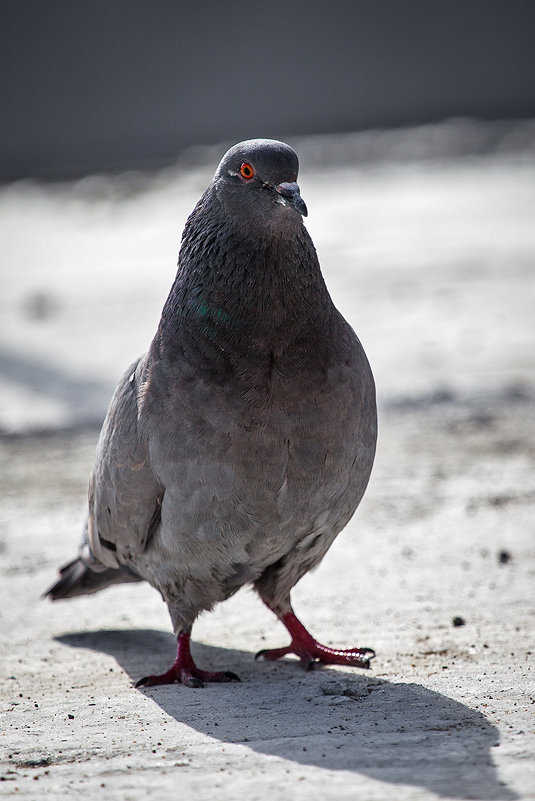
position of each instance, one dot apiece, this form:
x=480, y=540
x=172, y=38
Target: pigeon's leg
x=310, y=651
x=184, y=670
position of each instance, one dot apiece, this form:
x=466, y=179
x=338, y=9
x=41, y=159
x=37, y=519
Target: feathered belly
x=232, y=509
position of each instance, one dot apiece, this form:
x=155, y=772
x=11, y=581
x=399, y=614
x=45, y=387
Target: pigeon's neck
x=243, y=296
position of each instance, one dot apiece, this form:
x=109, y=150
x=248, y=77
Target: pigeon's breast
x=251, y=471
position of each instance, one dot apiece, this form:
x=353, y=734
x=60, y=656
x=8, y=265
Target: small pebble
x=458, y=621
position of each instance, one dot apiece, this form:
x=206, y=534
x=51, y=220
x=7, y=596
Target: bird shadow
x=393, y=732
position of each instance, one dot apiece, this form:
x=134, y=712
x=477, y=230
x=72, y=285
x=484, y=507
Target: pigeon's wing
x=124, y=496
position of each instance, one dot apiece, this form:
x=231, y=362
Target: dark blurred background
x=117, y=84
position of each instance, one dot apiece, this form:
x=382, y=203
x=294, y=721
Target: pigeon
x=241, y=444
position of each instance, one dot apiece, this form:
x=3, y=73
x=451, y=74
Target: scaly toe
x=273, y=653
x=156, y=681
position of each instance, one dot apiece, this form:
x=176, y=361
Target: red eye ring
x=246, y=171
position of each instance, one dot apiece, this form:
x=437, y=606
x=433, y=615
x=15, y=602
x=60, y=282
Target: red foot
x=311, y=652
x=184, y=670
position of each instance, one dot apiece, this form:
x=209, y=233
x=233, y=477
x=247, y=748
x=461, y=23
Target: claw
x=230, y=676
x=188, y=680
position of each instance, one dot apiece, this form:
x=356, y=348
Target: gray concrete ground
x=433, y=264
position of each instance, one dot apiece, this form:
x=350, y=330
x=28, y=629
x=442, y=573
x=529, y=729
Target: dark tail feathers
x=77, y=578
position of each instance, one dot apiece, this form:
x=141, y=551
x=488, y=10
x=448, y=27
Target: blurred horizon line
x=449, y=138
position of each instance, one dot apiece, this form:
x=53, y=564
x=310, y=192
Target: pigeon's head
x=259, y=177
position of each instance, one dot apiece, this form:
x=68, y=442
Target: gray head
x=260, y=175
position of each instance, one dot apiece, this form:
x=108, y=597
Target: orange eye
x=246, y=171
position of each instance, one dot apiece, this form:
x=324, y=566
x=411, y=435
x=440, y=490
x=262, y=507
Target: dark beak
x=290, y=193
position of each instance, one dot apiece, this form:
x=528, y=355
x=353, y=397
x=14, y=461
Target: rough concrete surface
x=433, y=263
